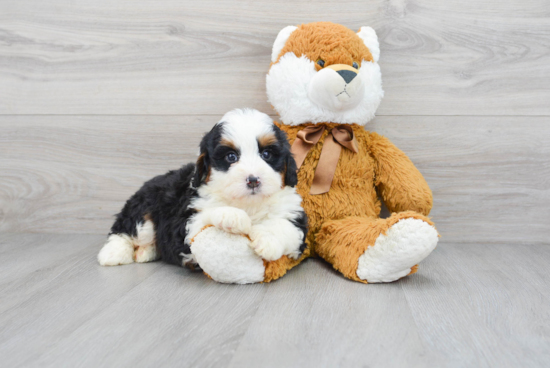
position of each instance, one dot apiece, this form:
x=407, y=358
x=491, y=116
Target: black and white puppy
x=242, y=183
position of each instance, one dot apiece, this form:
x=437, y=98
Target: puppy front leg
x=231, y=219
x=274, y=238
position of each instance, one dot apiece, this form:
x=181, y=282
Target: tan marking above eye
x=267, y=140
x=228, y=143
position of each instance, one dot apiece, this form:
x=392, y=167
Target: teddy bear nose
x=348, y=75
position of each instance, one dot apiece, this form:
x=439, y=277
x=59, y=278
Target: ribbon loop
x=341, y=136
x=306, y=138
x=344, y=136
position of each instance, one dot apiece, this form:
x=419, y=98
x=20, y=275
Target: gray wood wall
x=98, y=96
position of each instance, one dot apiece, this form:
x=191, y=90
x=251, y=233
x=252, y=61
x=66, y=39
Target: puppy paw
x=146, y=254
x=266, y=245
x=118, y=250
x=295, y=254
x=232, y=220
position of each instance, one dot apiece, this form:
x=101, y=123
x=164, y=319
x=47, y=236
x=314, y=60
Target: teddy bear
x=325, y=83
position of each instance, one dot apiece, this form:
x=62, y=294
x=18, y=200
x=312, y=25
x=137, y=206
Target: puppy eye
x=355, y=65
x=231, y=157
x=321, y=63
x=266, y=155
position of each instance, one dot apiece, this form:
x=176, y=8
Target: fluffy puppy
x=243, y=183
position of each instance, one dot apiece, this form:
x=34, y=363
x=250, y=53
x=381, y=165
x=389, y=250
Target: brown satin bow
x=341, y=136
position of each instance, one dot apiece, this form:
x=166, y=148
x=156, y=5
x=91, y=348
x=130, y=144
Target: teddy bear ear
x=368, y=35
x=280, y=41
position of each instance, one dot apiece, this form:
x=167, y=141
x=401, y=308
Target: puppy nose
x=252, y=182
x=348, y=75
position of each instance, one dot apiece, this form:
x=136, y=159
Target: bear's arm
x=399, y=182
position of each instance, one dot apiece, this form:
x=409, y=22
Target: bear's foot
x=227, y=257
x=394, y=254
x=377, y=250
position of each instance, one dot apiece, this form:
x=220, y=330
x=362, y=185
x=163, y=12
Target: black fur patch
x=301, y=223
x=208, y=144
x=281, y=159
x=218, y=156
x=165, y=200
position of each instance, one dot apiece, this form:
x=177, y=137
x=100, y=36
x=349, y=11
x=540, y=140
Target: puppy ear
x=280, y=41
x=290, y=169
x=291, y=177
x=202, y=167
x=368, y=35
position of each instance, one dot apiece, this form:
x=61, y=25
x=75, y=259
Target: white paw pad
x=118, y=250
x=391, y=257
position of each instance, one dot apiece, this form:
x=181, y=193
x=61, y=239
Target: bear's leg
x=377, y=250
x=278, y=268
x=228, y=258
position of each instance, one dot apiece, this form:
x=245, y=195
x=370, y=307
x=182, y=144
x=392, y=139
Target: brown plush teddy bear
x=326, y=85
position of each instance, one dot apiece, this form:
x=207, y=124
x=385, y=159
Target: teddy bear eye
x=355, y=65
x=321, y=63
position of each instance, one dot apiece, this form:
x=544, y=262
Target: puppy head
x=244, y=156
x=324, y=72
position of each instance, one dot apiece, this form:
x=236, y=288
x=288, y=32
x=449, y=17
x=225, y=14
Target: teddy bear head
x=325, y=72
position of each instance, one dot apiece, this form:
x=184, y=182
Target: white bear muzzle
x=337, y=87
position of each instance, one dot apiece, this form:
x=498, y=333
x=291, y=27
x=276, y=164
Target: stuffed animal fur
x=325, y=83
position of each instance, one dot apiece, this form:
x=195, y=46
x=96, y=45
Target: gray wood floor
x=470, y=306
x=98, y=96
